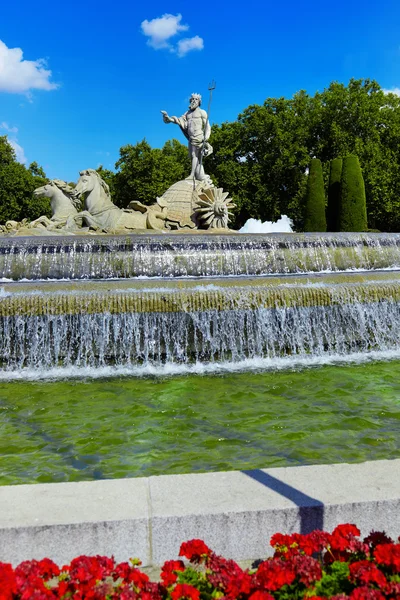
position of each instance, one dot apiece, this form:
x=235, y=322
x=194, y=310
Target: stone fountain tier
x=199, y=255
x=131, y=323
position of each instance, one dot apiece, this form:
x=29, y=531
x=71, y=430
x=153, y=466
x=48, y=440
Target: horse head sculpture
x=64, y=200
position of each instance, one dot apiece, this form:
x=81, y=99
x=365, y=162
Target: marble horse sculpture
x=64, y=203
x=100, y=213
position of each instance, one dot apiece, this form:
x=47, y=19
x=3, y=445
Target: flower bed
x=315, y=566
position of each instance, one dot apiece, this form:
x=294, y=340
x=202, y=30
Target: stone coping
x=234, y=512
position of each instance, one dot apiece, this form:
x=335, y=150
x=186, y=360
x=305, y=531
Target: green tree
x=332, y=213
x=353, y=212
x=315, y=198
x=145, y=173
x=16, y=186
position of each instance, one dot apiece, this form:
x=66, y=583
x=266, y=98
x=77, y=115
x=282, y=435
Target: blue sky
x=90, y=76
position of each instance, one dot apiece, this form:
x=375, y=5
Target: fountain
x=169, y=284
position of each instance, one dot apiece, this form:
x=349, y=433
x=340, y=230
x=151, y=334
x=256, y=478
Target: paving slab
x=63, y=520
x=235, y=513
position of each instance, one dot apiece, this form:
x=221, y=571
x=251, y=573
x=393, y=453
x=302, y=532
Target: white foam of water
x=173, y=369
x=282, y=225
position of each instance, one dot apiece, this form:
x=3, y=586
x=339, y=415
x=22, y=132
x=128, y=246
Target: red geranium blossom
x=130, y=574
x=183, y=590
x=365, y=572
x=168, y=572
x=307, y=569
x=194, y=550
x=342, y=535
x=366, y=593
x=8, y=584
x=273, y=574
x=226, y=576
x=88, y=568
x=389, y=555
x=261, y=595
x=375, y=538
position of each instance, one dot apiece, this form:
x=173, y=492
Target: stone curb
x=235, y=512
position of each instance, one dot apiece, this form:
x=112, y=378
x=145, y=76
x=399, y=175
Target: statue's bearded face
x=194, y=102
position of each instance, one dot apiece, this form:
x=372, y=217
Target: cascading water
x=135, y=322
x=196, y=255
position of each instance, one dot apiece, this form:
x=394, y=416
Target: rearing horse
x=102, y=214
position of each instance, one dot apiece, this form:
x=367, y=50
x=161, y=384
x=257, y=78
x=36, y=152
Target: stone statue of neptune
x=196, y=128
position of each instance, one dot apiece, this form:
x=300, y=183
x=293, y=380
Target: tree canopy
x=261, y=159
x=16, y=186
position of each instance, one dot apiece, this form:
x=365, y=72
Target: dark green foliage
x=315, y=199
x=353, y=211
x=16, y=186
x=335, y=176
x=146, y=173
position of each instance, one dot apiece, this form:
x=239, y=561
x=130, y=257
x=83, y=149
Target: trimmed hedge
x=353, y=208
x=315, y=219
x=334, y=189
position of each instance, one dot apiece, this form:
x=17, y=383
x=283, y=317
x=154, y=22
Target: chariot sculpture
x=193, y=203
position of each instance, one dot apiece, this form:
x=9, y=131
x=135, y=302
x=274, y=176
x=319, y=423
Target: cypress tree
x=353, y=208
x=334, y=188
x=315, y=198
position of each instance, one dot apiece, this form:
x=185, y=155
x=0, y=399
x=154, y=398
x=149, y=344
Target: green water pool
x=74, y=430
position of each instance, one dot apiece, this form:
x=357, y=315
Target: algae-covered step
x=167, y=322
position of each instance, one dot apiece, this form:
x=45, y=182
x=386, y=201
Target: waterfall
x=138, y=322
x=195, y=255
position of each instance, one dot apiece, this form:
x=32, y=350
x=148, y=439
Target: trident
x=211, y=88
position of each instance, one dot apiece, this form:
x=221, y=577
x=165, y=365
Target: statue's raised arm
x=196, y=128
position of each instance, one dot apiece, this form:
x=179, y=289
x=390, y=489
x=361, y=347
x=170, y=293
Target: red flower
x=318, y=540
x=376, y=538
x=130, y=574
x=342, y=536
x=389, y=555
x=226, y=576
x=392, y=589
x=183, y=590
x=366, y=593
x=90, y=568
x=296, y=543
x=168, y=572
x=261, y=595
x=273, y=574
x=307, y=569
x=194, y=550
x=8, y=584
x=282, y=542
x=365, y=572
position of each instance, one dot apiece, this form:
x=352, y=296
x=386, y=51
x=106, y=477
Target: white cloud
x=18, y=76
x=19, y=151
x=161, y=29
x=6, y=126
x=188, y=44
x=395, y=91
